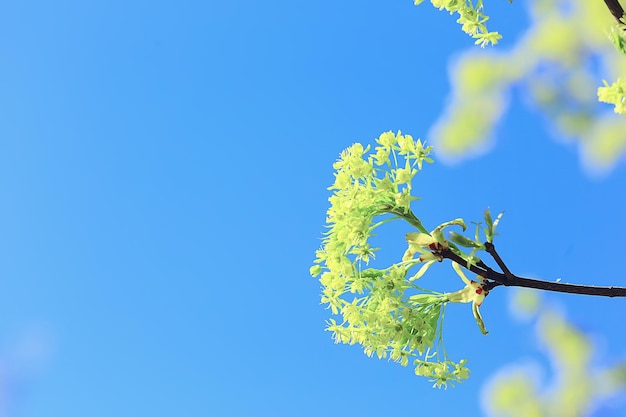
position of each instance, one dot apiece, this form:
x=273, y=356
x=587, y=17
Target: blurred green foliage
x=559, y=63
x=577, y=384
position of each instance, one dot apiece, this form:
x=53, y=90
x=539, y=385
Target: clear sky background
x=163, y=174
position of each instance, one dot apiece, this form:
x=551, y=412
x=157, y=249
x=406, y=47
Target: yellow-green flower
x=473, y=292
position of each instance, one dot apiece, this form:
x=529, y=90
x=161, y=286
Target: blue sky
x=163, y=174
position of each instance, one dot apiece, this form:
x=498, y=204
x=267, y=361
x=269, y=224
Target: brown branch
x=495, y=279
x=491, y=250
x=616, y=9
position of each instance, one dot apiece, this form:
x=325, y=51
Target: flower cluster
x=381, y=309
x=614, y=94
x=471, y=18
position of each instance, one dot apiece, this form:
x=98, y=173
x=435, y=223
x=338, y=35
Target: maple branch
x=616, y=9
x=494, y=278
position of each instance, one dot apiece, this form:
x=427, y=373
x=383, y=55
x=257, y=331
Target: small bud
x=315, y=270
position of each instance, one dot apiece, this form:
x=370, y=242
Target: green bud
x=464, y=241
x=315, y=270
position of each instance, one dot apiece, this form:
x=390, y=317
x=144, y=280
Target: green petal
x=422, y=271
x=479, y=318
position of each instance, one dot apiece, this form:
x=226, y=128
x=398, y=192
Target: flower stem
x=411, y=219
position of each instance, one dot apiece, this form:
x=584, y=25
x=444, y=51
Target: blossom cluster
x=471, y=18
x=614, y=94
x=381, y=309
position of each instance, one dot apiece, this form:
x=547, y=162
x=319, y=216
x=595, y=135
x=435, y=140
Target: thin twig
x=491, y=250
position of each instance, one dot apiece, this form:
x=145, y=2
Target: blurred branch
x=495, y=278
x=616, y=9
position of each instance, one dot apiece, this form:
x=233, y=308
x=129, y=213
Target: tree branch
x=616, y=9
x=491, y=250
x=495, y=279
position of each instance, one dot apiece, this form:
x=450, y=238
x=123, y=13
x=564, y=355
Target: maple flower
x=473, y=292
